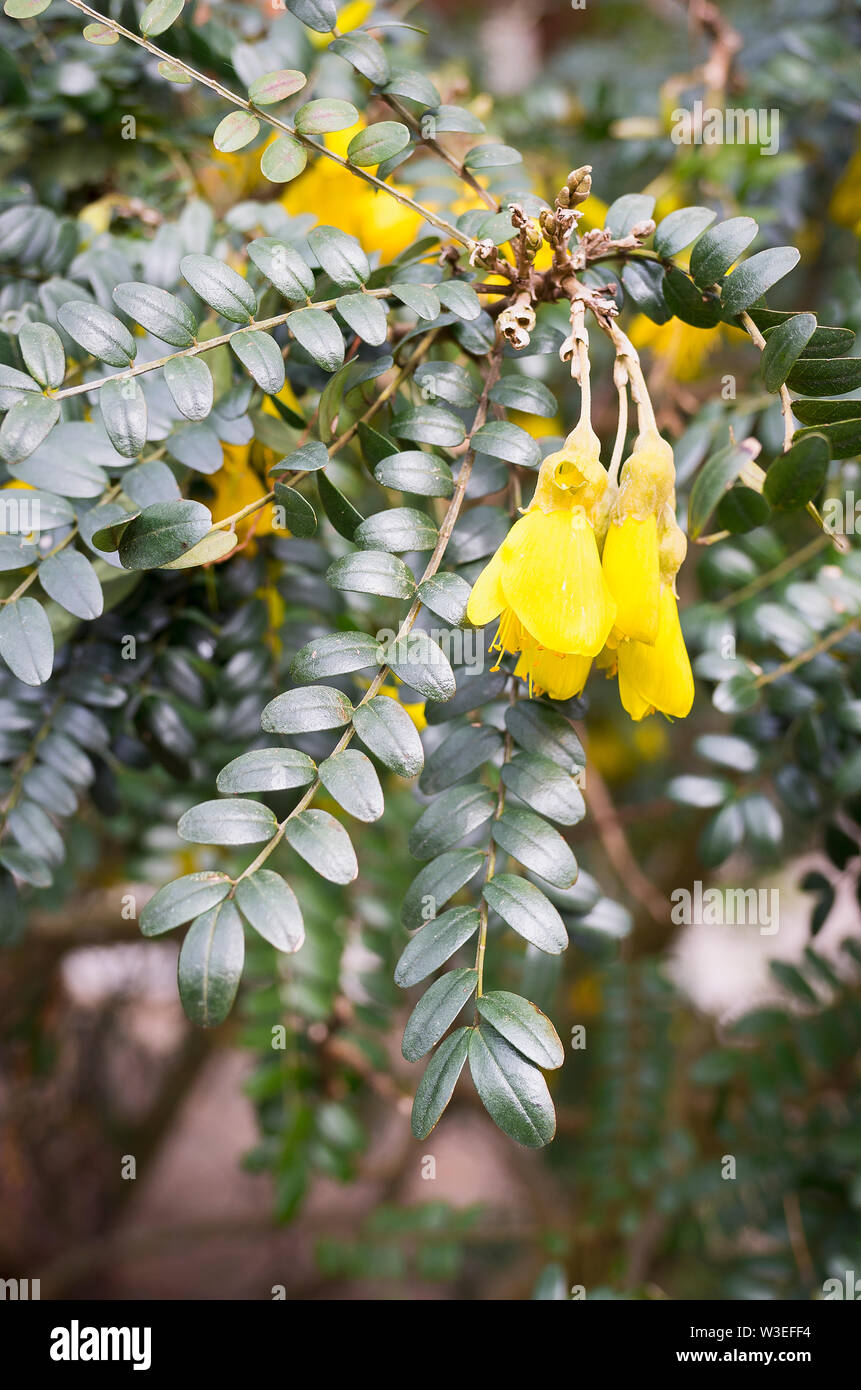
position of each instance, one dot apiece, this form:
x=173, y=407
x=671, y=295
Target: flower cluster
x=587, y=574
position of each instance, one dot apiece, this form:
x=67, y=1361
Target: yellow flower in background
x=845, y=206
x=339, y=198
x=350, y=16
x=536, y=425
x=594, y=212
x=545, y=582
x=236, y=485
x=415, y=709
x=683, y=349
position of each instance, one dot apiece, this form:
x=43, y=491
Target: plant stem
x=433, y=564
x=197, y=349
x=620, y=376
x=823, y=645
x=772, y=576
x=433, y=144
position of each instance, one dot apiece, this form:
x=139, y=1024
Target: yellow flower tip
x=557, y=675
x=551, y=577
x=648, y=476
x=658, y=677
x=632, y=571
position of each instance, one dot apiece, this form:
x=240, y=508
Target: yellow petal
x=632, y=573
x=552, y=578
x=558, y=675
x=657, y=677
x=487, y=600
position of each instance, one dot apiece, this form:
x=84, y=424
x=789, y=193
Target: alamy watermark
x=732, y=907
x=20, y=513
x=736, y=125
x=458, y=646
x=842, y=515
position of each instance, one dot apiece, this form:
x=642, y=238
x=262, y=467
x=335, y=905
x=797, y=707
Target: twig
x=433, y=564
x=823, y=645
x=619, y=851
x=319, y=149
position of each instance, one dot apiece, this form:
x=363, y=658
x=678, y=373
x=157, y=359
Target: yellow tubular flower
x=631, y=560
x=631, y=570
x=643, y=551
x=551, y=578
x=657, y=677
x=545, y=582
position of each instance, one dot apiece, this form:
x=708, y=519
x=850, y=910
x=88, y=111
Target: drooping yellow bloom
x=545, y=582
x=630, y=559
x=657, y=676
x=630, y=563
x=643, y=551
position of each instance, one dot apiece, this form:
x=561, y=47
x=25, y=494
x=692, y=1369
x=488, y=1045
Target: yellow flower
x=631, y=549
x=236, y=484
x=536, y=425
x=657, y=677
x=846, y=200
x=545, y=582
x=644, y=549
x=560, y=675
x=683, y=349
x=415, y=709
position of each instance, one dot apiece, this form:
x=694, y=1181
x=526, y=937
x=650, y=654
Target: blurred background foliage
x=702, y=1045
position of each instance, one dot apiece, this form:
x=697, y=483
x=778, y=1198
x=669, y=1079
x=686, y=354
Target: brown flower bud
x=579, y=184
x=641, y=230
